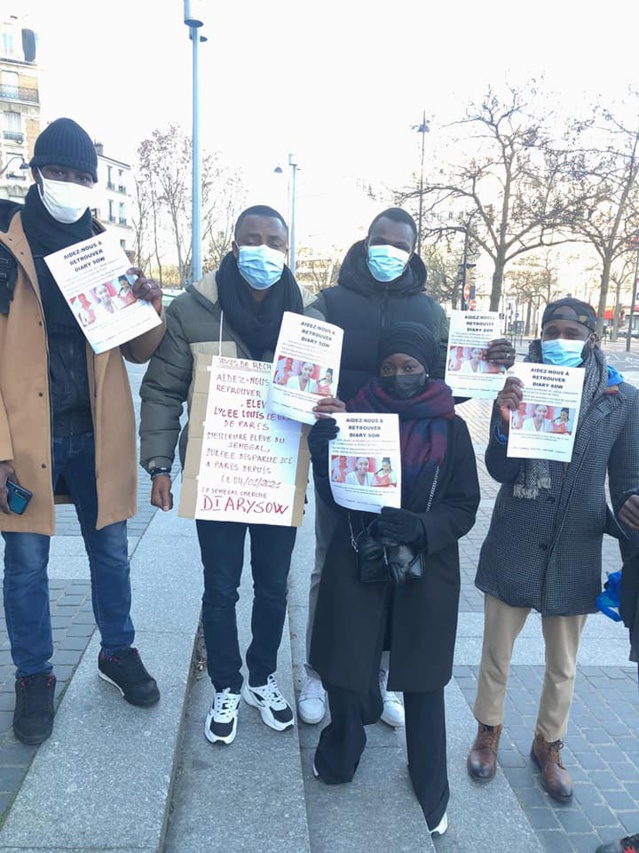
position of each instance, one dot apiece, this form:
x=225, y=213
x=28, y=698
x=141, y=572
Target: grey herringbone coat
x=546, y=553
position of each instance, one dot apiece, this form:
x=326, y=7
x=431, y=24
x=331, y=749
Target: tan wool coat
x=25, y=416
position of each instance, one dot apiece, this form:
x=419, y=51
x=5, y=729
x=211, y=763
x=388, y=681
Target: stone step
x=102, y=782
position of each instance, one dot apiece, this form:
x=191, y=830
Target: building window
x=122, y=213
x=13, y=126
x=8, y=45
x=9, y=87
x=110, y=184
x=111, y=213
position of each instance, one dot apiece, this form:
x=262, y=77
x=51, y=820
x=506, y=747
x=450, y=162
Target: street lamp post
x=633, y=299
x=292, y=162
x=422, y=128
x=23, y=164
x=194, y=20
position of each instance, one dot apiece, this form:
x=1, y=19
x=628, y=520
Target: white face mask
x=65, y=200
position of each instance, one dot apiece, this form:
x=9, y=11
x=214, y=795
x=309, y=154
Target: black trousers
x=342, y=742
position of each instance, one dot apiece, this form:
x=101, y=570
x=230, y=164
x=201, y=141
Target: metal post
x=196, y=215
x=632, y=303
x=292, y=162
x=423, y=129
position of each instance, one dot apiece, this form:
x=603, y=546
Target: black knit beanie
x=65, y=143
x=413, y=339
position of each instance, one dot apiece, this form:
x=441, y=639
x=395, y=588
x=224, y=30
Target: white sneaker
x=311, y=706
x=221, y=720
x=393, y=713
x=441, y=827
x=273, y=707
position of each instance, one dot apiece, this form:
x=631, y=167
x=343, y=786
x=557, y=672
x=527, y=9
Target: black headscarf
x=413, y=339
x=257, y=323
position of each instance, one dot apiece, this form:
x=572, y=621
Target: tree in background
x=604, y=170
x=506, y=189
x=164, y=176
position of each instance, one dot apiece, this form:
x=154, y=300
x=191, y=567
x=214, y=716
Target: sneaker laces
x=313, y=689
x=130, y=661
x=553, y=753
x=270, y=694
x=225, y=705
x=35, y=689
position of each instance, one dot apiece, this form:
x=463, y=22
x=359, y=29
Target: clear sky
x=339, y=82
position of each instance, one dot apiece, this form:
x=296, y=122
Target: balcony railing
x=19, y=93
x=13, y=135
x=122, y=220
x=110, y=185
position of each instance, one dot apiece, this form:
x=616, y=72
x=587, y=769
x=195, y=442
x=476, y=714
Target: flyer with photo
x=93, y=280
x=468, y=374
x=243, y=463
x=543, y=427
x=365, y=467
x=305, y=367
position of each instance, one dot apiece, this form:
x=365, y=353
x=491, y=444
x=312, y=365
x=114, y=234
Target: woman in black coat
x=415, y=618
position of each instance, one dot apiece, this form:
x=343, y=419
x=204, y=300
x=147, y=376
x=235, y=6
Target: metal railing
x=19, y=93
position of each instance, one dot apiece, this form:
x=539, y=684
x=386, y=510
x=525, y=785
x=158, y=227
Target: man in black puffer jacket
x=381, y=282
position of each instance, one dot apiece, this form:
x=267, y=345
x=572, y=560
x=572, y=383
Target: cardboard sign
x=243, y=463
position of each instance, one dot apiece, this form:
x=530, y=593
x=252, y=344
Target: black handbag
x=377, y=562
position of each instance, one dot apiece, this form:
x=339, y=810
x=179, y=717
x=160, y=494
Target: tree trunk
x=603, y=295
x=498, y=278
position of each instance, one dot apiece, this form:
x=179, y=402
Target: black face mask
x=405, y=386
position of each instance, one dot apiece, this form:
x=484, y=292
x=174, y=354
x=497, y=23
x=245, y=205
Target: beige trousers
x=502, y=625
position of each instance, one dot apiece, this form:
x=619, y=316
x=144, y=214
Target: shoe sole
x=144, y=704
x=32, y=740
x=208, y=734
x=310, y=721
x=394, y=724
x=267, y=718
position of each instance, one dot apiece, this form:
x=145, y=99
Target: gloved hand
x=400, y=527
x=322, y=431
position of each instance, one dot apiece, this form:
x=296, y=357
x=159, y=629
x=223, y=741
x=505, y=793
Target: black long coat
x=419, y=618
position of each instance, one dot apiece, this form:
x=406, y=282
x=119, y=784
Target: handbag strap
x=432, y=491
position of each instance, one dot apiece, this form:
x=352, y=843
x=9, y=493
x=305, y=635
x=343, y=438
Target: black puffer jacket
x=363, y=306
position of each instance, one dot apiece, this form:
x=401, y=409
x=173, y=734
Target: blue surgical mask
x=563, y=353
x=386, y=263
x=260, y=266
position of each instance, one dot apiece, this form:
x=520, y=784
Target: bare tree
x=509, y=196
x=605, y=174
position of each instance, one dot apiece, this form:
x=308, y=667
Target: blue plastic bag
x=608, y=599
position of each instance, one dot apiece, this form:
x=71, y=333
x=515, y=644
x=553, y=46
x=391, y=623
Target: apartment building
x=19, y=105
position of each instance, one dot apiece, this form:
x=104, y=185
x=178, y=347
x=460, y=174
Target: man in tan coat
x=66, y=427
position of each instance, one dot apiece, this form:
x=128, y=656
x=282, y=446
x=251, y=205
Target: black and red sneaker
x=125, y=670
x=33, y=714
x=629, y=844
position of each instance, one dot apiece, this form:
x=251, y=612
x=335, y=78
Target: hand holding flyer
x=543, y=425
x=468, y=373
x=365, y=471
x=305, y=367
x=93, y=280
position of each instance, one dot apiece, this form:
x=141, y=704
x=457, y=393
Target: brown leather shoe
x=554, y=776
x=482, y=759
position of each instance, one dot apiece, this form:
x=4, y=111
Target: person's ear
x=235, y=249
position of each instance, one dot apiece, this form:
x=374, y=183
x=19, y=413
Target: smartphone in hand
x=17, y=497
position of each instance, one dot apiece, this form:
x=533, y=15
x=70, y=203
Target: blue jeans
x=26, y=557
x=222, y=547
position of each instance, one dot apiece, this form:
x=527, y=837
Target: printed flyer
x=243, y=462
x=365, y=468
x=93, y=280
x=468, y=373
x=544, y=425
x=305, y=367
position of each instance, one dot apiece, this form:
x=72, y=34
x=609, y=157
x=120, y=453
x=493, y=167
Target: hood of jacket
x=355, y=275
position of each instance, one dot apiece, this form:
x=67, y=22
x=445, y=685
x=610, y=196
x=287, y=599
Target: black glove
x=323, y=431
x=400, y=527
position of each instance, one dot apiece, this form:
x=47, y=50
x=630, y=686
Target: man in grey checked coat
x=543, y=548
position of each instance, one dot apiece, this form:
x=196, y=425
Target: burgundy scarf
x=423, y=427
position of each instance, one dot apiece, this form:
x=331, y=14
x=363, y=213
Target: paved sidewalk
x=120, y=779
